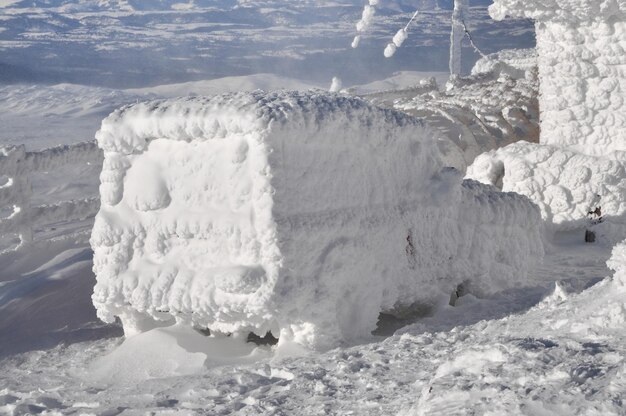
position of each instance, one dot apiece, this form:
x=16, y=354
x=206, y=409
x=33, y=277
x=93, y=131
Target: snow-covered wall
x=582, y=71
x=302, y=213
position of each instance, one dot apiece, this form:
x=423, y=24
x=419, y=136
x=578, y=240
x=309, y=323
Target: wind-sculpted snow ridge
x=567, y=186
x=494, y=107
x=305, y=214
x=21, y=210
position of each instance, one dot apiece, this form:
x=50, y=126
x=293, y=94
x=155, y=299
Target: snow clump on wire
x=399, y=38
x=366, y=20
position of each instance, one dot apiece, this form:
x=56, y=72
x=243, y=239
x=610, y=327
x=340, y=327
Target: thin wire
x=406, y=28
x=469, y=36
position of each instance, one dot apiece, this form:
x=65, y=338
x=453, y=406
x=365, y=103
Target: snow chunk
x=302, y=213
x=400, y=37
x=515, y=63
x=390, y=50
x=335, y=85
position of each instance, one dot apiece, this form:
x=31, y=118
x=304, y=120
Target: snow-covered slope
x=248, y=212
x=40, y=116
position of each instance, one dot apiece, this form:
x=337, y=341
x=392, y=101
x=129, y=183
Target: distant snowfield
x=130, y=44
x=48, y=115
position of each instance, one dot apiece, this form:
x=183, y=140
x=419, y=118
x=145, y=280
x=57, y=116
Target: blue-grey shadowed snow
x=50, y=305
x=134, y=44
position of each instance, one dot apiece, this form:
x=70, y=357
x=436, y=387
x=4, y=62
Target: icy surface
x=249, y=212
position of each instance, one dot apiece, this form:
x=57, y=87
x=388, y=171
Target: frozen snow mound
x=304, y=214
x=567, y=186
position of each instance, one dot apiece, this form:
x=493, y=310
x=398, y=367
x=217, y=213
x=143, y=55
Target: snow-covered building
x=306, y=214
x=577, y=174
x=581, y=46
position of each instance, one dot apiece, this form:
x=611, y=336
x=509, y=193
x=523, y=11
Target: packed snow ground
x=539, y=350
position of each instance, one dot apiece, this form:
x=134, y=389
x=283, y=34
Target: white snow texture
x=580, y=165
x=251, y=212
x=582, y=81
x=566, y=185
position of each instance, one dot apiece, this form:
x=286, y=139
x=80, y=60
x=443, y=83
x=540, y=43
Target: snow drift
x=301, y=213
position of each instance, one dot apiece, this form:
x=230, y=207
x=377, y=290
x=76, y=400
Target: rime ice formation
x=581, y=61
x=302, y=213
x=369, y=10
x=566, y=185
x=515, y=63
x=566, y=11
x=582, y=101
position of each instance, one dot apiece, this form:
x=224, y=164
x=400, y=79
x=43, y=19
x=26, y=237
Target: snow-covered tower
x=582, y=69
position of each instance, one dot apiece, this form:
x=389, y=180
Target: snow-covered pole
x=459, y=14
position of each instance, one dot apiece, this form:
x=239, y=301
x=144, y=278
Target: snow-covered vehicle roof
x=560, y=10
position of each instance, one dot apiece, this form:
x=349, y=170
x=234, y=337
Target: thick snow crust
x=582, y=82
x=583, y=87
x=305, y=214
x=566, y=185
